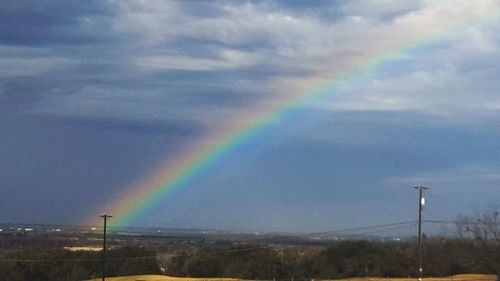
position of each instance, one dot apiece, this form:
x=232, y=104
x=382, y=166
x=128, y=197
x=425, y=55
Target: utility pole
x=421, y=203
x=105, y=217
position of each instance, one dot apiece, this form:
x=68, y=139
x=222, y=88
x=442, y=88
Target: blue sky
x=95, y=94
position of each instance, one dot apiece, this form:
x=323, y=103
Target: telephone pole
x=421, y=203
x=105, y=217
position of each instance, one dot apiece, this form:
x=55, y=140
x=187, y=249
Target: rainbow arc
x=140, y=198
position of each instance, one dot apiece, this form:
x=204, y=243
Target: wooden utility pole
x=105, y=217
x=421, y=203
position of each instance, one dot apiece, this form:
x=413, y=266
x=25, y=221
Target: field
x=462, y=277
x=162, y=278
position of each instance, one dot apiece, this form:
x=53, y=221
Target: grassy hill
x=462, y=277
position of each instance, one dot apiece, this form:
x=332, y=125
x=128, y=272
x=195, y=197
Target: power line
x=409, y=223
x=460, y=222
x=389, y=228
x=360, y=228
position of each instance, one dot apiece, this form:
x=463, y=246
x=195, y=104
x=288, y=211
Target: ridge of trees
x=477, y=250
x=341, y=260
x=65, y=265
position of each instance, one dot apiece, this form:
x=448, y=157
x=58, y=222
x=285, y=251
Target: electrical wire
x=353, y=230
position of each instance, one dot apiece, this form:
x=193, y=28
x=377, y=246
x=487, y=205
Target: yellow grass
x=462, y=277
x=162, y=278
x=87, y=249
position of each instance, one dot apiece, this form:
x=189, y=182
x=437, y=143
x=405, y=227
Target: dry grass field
x=162, y=278
x=462, y=277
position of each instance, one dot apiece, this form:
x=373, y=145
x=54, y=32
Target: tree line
x=341, y=260
x=477, y=250
x=257, y=262
x=65, y=265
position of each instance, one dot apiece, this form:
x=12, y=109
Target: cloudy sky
x=95, y=94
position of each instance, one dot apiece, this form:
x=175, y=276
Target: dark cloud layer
x=95, y=94
x=42, y=23
x=176, y=128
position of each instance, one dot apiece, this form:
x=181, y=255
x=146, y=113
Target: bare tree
x=484, y=228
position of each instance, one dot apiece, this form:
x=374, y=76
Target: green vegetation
x=65, y=265
x=345, y=259
x=341, y=260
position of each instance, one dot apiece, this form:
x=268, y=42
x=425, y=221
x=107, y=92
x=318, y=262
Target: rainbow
x=176, y=173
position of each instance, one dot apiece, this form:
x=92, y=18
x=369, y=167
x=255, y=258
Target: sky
x=95, y=95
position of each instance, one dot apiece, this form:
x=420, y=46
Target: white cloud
x=285, y=39
x=12, y=67
x=293, y=40
x=25, y=61
x=227, y=60
x=238, y=24
x=288, y=52
x=381, y=8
